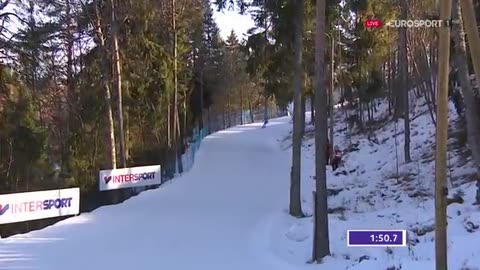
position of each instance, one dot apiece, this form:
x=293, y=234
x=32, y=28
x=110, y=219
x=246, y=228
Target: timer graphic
x=377, y=238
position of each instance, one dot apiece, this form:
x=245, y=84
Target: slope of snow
x=209, y=218
x=373, y=195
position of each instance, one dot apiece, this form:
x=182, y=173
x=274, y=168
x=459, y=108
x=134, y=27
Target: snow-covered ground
x=373, y=195
x=230, y=210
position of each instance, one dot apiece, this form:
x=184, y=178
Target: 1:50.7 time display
x=383, y=238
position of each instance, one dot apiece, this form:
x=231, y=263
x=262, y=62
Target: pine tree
x=321, y=245
x=295, y=181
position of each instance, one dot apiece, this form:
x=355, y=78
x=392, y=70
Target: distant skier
x=337, y=158
x=265, y=124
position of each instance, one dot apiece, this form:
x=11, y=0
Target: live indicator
x=377, y=238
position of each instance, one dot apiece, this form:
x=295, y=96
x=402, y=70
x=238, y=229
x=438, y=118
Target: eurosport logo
x=127, y=178
x=418, y=23
x=376, y=23
x=35, y=206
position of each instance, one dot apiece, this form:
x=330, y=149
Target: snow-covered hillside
x=372, y=195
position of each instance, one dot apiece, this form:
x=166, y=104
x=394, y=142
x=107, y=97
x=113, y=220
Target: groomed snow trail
x=214, y=217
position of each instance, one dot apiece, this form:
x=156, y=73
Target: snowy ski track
x=217, y=216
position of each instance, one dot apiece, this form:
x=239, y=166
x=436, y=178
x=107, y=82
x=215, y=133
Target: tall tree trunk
x=241, y=106
x=127, y=125
x=169, y=121
x=265, y=25
x=433, y=86
x=175, y=85
x=265, y=108
x=304, y=103
x=321, y=242
x=332, y=78
x=403, y=62
x=250, y=110
x=394, y=83
x=117, y=83
x=361, y=111
x=223, y=117
x=70, y=42
x=185, y=93
x=106, y=85
x=229, y=111
x=302, y=114
x=433, y=67
x=369, y=116
x=209, y=131
x=389, y=79
x=70, y=76
x=180, y=146
x=312, y=109
x=295, y=181
x=423, y=70
x=176, y=116
x=399, y=103
x=441, y=189
x=472, y=99
x=201, y=99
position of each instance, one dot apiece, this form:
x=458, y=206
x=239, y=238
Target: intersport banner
x=129, y=177
x=17, y=207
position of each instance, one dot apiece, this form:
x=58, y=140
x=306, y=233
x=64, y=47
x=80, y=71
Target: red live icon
x=373, y=23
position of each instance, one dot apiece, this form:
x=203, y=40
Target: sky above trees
x=228, y=20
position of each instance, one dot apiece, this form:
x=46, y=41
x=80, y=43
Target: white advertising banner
x=130, y=177
x=17, y=207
